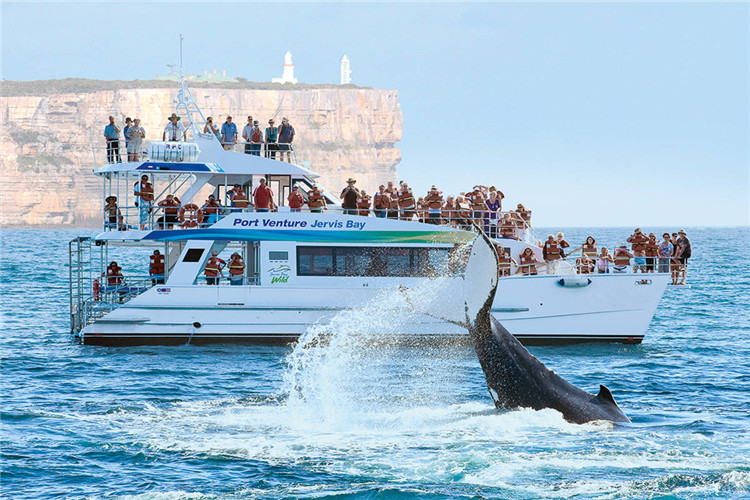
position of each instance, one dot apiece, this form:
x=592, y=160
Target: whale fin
x=605, y=395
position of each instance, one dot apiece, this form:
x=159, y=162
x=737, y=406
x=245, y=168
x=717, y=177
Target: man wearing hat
x=272, y=139
x=112, y=213
x=247, y=131
x=295, y=200
x=256, y=139
x=682, y=254
x=174, y=131
x=349, y=196
x=112, y=136
x=228, y=134
x=286, y=136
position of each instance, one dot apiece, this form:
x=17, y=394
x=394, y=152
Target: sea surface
x=354, y=419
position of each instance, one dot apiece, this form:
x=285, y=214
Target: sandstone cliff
x=46, y=138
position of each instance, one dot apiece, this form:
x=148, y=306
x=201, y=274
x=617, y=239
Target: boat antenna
x=186, y=106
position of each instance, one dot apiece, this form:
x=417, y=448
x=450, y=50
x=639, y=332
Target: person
x=422, y=210
x=552, y=252
x=504, y=261
x=524, y=215
x=584, y=265
x=605, y=261
x=112, y=214
x=381, y=202
x=393, y=197
x=665, y=253
x=463, y=213
x=286, y=136
x=674, y=263
x=652, y=253
x=507, y=227
x=493, y=204
x=527, y=262
x=247, y=133
x=561, y=241
x=684, y=252
x=621, y=259
x=349, y=197
x=316, y=201
x=126, y=131
x=210, y=128
x=236, y=269
x=170, y=207
x=238, y=198
x=114, y=275
x=638, y=241
x=363, y=203
x=211, y=210
x=228, y=134
x=174, y=131
x=434, y=203
x=145, y=191
x=263, y=197
x=295, y=200
x=448, y=212
x=135, y=135
x=112, y=136
x=478, y=204
x=156, y=268
x=406, y=202
x=213, y=269
x=272, y=139
x=256, y=139
x=588, y=251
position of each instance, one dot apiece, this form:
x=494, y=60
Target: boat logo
x=280, y=274
x=163, y=290
x=643, y=282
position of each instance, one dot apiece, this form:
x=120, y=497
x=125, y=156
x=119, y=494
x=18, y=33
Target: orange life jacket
x=527, y=263
x=239, y=198
x=553, y=250
x=382, y=201
x=621, y=258
x=507, y=228
x=114, y=277
x=406, y=199
x=157, y=264
x=147, y=191
x=213, y=266
x=236, y=267
x=589, y=250
x=316, y=200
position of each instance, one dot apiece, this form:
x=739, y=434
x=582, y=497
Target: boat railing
x=274, y=151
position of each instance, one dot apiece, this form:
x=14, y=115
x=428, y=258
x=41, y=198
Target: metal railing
x=274, y=151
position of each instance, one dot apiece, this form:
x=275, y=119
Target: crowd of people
x=277, y=140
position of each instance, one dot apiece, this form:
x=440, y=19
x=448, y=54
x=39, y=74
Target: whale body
x=515, y=378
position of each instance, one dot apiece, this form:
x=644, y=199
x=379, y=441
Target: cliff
x=48, y=128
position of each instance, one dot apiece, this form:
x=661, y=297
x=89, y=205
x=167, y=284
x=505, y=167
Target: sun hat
x=174, y=115
x=350, y=179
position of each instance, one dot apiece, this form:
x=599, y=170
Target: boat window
x=193, y=255
x=278, y=255
x=371, y=261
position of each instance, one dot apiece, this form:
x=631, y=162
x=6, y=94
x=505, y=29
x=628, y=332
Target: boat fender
x=197, y=325
x=574, y=282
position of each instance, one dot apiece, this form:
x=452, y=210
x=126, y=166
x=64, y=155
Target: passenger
x=286, y=136
x=228, y=134
x=674, y=264
x=524, y=215
x=406, y=202
x=126, y=131
x=652, y=253
x=112, y=136
x=316, y=200
x=464, y=213
x=422, y=210
x=494, y=205
x=504, y=261
x=135, y=136
x=478, y=204
x=112, y=214
x=552, y=252
x=449, y=212
x=605, y=261
x=684, y=252
x=236, y=269
x=170, y=207
x=434, y=203
x=295, y=200
x=588, y=248
x=256, y=139
x=381, y=202
x=507, y=227
x=174, y=131
x=211, y=210
x=393, y=196
x=156, y=268
x=363, y=203
x=114, y=276
x=247, y=133
x=263, y=197
x=561, y=241
x=272, y=139
x=527, y=262
x=214, y=268
x=665, y=253
x=145, y=191
x=638, y=241
x=349, y=197
x=239, y=198
x=621, y=259
x=210, y=128
x=585, y=265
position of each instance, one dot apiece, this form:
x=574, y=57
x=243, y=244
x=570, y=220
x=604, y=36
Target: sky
x=591, y=114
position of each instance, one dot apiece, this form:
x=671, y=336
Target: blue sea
x=373, y=421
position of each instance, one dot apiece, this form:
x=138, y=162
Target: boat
x=302, y=268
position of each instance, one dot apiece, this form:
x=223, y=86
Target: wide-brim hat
x=110, y=198
x=350, y=179
x=681, y=231
x=174, y=115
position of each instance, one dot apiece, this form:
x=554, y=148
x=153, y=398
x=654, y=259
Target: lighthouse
x=288, y=75
x=346, y=72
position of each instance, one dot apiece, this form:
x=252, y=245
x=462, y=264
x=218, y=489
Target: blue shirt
x=229, y=132
x=125, y=133
x=110, y=132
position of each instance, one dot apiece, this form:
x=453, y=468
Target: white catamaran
x=301, y=267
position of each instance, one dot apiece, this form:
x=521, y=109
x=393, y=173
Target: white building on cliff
x=346, y=72
x=288, y=75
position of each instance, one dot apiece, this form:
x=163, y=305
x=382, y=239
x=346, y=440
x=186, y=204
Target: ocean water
x=356, y=419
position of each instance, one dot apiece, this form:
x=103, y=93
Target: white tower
x=346, y=72
x=288, y=75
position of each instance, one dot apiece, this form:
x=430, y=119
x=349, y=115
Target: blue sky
x=590, y=114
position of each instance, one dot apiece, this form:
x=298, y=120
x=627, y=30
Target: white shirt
x=174, y=132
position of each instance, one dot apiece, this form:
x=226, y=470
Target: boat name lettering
x=337, y=224
x=316, y=224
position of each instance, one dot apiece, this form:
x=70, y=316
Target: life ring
x=190, y=215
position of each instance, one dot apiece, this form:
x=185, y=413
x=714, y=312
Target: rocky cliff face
x=46, y=140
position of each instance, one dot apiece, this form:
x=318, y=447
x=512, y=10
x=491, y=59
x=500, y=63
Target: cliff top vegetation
x=85, y=86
